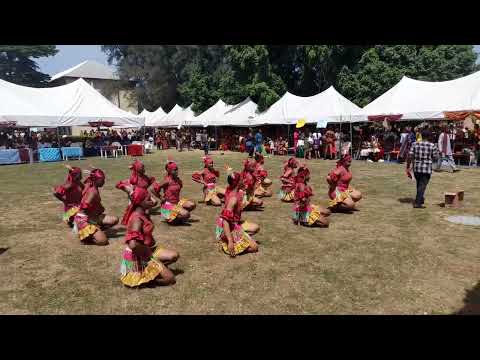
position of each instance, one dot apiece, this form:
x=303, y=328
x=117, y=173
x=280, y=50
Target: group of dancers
x=143, y=261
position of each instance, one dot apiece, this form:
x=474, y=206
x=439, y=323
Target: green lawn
x=385, y=259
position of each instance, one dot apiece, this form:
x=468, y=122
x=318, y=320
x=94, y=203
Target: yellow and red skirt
x=135, y=271
x=86, y=226
x=286, y=196
x=69, y=215
x=169, y=211
x=340, y=196
x=241, y=239
x=308, y=216
x=211, y=191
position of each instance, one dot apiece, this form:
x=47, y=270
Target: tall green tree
x=381, y=67
x=17, y=64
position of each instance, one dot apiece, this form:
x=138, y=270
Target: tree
x=381, y=67
x=17, y=64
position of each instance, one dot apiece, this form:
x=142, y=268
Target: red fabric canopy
x=100, y=123
x=461, y=115
x=385, y=117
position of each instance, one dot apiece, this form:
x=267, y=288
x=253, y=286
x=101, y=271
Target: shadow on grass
x=2, y=250
x=406, y=200
x=115, y=233
x=471, y=301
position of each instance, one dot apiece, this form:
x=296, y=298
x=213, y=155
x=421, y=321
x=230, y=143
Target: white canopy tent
x=331, y=106
x=171, y=119
x=286, y=111
x=154, y=118
x=415, y=99
x=213, y=116
x=186, y=118
x=75, y=104
x=242, y=114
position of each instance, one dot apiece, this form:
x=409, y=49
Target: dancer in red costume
x=91, y=220
x=174, y=210
x=137, y=178
x=233, y=234
x=330, y=149
x=140, y=265
x=208, y=178
x=288, y=180
x=262, y=183
x=250, y=201
x=70, y=194
x=304, y=213
x=342, y=196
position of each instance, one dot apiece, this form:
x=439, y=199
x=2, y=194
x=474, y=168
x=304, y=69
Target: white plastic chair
x=119, y=147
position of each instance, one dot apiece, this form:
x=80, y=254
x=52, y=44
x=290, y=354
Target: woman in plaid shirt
x=422, y=154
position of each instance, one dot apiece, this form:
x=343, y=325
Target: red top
x=288, y=181
x=210, y=177
x=339, y=178
x=303, y=193
x=140, y=180
x=171, y=189
x=235, y=215
x=72, y=194
x=145, y=236
x=248, y=181
x=94, y=208
x=260, y=173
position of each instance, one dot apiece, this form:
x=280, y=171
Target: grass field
x=385, y=259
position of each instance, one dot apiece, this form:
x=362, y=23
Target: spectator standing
x=422, y=154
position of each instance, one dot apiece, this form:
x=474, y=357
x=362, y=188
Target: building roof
x=88, y=69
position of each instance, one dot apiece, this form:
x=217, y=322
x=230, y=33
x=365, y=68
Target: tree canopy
x=200, y=75
x=17, y=64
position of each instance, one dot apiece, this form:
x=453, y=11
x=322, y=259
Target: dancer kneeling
x=174, y=210
x=303, y=212
x=250, y=201
x=208, y=178
x=139, y=264
x=262, y=181
x=137, y=178
x=70, y=194
x=233, y=234
x=288, y=180
x=342, y=196
x=90, y=221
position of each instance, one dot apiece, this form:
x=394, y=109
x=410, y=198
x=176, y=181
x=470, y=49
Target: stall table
x=72, y=152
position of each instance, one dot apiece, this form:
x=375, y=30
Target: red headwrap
x=135, y=168
x=291, y=163
x=73, y=173
x=171, y=166
x=236, y=177
x=302, y=174
x=343, y=160
x=248, y=166
x=137, y=196
x=95, y=174
x=207, y=160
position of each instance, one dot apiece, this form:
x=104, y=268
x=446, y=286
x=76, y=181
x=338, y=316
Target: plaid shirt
x=422, y=155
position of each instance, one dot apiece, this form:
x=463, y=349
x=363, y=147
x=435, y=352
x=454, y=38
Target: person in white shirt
x=445, y=150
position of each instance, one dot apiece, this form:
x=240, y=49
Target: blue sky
x=71, y=55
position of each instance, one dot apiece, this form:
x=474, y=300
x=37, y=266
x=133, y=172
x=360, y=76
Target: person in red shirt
x=288, y=180
x=342, y=196
x=330, y=149
x=90, y=221
x=208, y=178
x=233, y=234
x=137, y=178
x=174, y=210
x=250, y=201
x=262, y=183
x=70, y=194
x=304, y=213
x=140, y=264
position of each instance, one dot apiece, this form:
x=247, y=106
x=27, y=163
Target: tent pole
x=351, y=139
